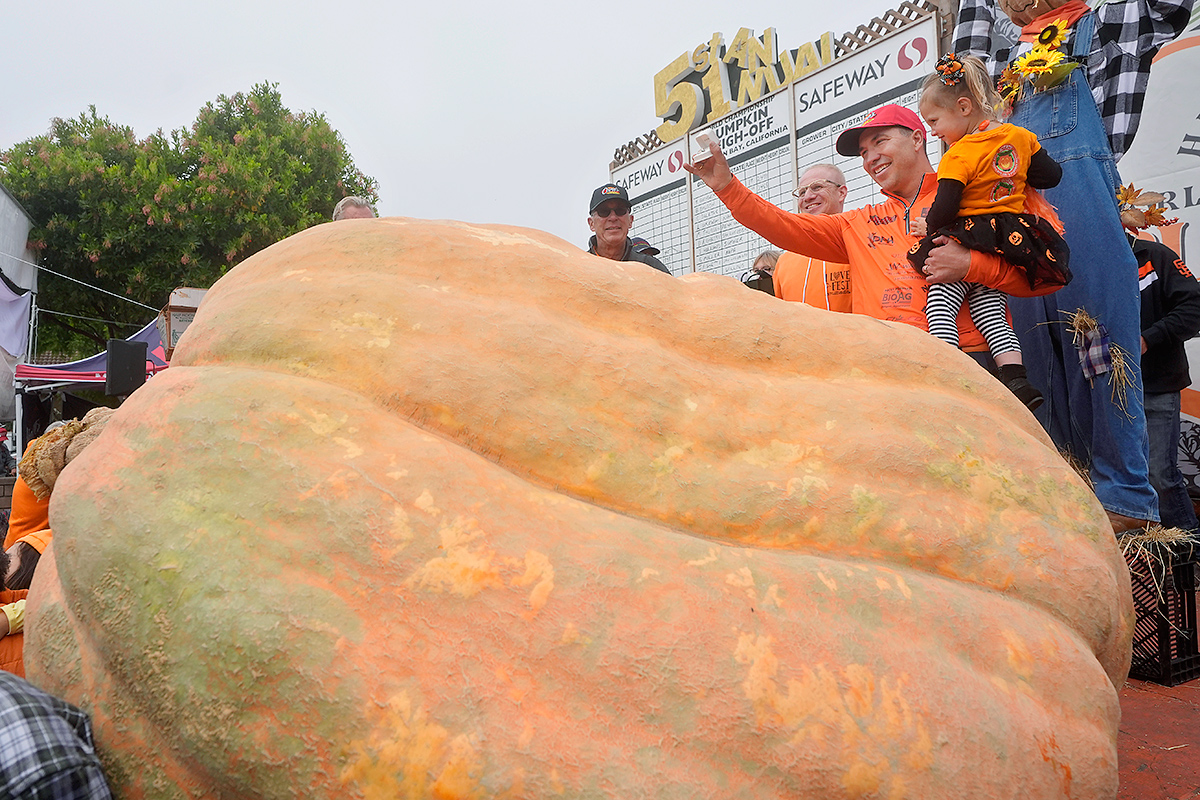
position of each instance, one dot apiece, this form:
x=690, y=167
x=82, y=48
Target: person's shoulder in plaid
x=1128, y=33
x=46, y=747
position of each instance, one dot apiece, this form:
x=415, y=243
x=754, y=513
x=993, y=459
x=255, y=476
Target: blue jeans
x=1081, y=417
x=1162, y=422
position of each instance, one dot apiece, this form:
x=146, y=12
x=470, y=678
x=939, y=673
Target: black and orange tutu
x=1023, y=240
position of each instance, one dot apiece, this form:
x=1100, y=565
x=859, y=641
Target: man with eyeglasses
x=610, y=217
x=805, y=279
x=874, y=240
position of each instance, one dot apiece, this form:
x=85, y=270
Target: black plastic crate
x=1165, y=636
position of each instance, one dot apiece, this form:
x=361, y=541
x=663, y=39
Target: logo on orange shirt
x=896, y=297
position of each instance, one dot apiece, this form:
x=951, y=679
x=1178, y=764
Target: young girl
x=982, y=180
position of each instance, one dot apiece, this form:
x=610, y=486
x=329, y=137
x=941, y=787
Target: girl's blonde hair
x=964, y=76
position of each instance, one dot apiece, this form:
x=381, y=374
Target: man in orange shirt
x=805, y=279
x=875, y=240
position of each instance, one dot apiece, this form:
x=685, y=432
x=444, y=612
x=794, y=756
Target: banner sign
x=840, y=97
x=1165, y=158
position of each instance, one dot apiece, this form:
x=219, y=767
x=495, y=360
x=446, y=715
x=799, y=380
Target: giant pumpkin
x=441, y=510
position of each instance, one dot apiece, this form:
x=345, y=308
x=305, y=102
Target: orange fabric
x=12, y=647
x=1039, y=206
x=992, y=165
x=875, y=241
x=39, y=540
x=1070, y=11
x=804, y=279
x=29, y=514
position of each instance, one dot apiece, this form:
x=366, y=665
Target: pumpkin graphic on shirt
x=1005, y=162
x=1001, y=189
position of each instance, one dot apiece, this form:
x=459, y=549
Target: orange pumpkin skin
x=440, y=510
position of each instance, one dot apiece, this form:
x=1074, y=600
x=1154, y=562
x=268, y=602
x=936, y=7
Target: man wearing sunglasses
x=610, y=218
x=805, y=279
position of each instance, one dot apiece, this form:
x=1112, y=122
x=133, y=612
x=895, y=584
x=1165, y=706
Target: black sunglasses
x=604, y=211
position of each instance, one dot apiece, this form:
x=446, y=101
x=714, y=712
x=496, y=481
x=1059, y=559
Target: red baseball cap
x=888, y=116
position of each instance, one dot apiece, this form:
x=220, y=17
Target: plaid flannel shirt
x=46, y=748
x=1128, y=34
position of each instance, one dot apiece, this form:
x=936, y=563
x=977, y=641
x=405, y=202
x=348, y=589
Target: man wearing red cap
x=874, y=240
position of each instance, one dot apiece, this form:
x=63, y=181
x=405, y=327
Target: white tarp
x=14, y=322
x=15, y=259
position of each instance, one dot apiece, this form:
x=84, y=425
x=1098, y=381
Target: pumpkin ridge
x=927, y=559
x=767, y=627
x=560, y=457
x=470, y=290
x=125, y=712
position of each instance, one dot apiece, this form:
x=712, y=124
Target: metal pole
x=19, y=424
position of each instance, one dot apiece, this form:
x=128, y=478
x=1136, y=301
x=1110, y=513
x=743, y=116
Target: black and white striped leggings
x=989, y=312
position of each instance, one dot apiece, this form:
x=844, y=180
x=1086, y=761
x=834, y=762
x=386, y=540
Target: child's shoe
x=1014, y=377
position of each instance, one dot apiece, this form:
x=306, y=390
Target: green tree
x=139, y=218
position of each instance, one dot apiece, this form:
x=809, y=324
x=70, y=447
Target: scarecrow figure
x=1076, y=77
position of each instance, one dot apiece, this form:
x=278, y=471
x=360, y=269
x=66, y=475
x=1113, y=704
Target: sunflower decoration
x=1045, y=68
x=1038, y=61
x=1053, y=35
x=1141, y=210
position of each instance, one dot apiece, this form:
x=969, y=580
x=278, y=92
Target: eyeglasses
x=814, y=187
x=604, y=211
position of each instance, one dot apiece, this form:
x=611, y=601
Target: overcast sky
x=477, y=111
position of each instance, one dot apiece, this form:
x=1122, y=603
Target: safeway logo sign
x=912, y=53
x=658, y=169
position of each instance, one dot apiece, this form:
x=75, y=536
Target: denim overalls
x=1080, y=417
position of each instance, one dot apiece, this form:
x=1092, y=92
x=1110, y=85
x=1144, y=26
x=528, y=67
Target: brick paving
x=1159, y=741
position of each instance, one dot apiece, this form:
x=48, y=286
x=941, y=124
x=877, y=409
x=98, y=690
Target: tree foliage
x=142, y=217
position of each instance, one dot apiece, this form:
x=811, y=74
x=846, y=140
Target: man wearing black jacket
x=610, y=217
x=1170, y=316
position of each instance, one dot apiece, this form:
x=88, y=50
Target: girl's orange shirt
x=991, y=165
